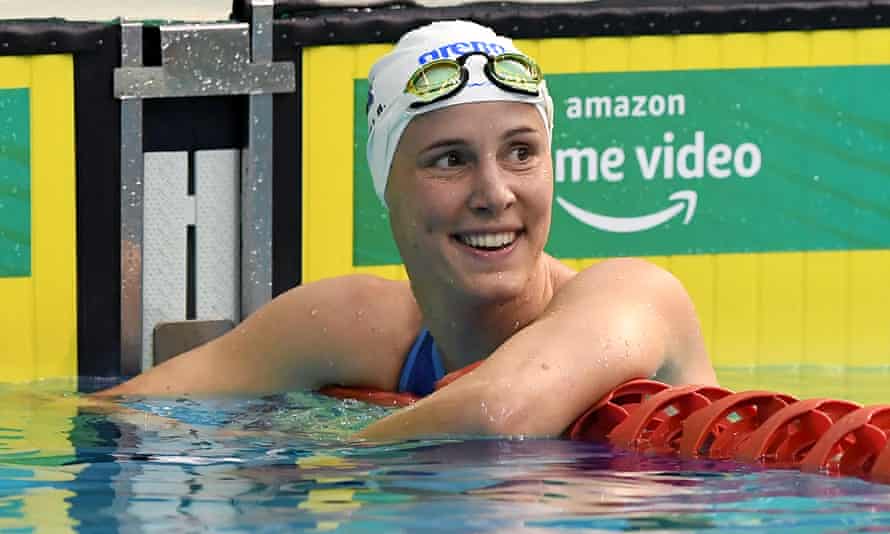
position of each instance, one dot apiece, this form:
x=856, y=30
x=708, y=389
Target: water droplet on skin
x=313, y=313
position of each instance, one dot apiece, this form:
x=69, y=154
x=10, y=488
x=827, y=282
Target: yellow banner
x=38, y=313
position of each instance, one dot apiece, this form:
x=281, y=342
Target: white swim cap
x=389, y=110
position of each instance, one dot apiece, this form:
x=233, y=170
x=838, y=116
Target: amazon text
x=622, y=106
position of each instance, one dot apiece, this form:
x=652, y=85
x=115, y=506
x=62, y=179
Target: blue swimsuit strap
x=423, y=366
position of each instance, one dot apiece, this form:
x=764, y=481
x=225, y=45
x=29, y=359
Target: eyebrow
x=443, y=143
x=519, y=130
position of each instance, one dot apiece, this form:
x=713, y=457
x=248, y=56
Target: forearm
x=455, y=410
x=211, y=371
x=490, y=401
x=192, y=373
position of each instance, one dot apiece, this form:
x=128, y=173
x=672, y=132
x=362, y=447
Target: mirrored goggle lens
x=517, y=71
x=434, y=79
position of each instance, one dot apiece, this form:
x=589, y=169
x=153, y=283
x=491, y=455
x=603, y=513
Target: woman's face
x=470, y=193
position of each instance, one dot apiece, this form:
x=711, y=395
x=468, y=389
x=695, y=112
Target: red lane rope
x=656, y=425
x=851, y=445
x=830, y=436
x=717, y=431
x=784, y=438
x=382, y=397
x=597, y=422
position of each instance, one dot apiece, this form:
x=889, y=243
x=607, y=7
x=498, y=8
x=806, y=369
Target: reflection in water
x=284, y=463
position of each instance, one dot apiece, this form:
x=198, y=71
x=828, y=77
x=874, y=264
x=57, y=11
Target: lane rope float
x=828, y=436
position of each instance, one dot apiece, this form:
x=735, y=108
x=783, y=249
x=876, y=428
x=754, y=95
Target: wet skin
x=470, y=195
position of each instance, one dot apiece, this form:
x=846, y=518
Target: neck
x=468, y=329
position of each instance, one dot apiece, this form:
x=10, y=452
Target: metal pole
x=132, y=173
x=256, y=190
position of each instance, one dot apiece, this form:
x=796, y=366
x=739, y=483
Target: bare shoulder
x=362, y=323
x=636, y=290
x=351, y=330
x=359, y=293
x=630, y=277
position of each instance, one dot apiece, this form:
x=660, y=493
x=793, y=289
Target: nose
x=492, y=191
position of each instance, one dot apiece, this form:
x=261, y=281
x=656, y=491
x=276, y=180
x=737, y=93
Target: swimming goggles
x=442, y=78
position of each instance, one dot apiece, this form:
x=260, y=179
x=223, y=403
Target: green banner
x=15, y=183
x=715, y=161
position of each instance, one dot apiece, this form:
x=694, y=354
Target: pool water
x=285, y=463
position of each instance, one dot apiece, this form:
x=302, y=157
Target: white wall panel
x=217, y=181
x=168, y=211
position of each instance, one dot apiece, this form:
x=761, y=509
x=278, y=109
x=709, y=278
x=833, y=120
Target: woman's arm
x=347, y=330
x=617, y=320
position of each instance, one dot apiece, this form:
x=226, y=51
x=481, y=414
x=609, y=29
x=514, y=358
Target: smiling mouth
x=487, y=241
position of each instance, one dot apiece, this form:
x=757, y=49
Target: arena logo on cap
x=458, y=49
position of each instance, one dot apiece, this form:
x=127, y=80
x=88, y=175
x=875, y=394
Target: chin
x=496, y=287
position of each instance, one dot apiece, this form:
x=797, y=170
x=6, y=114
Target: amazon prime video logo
x=688, y=162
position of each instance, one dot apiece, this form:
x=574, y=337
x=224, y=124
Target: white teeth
x=496, y=240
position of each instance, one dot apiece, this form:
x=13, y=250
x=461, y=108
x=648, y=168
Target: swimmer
x=459, y=149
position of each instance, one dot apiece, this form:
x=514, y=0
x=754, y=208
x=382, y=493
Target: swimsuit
x=423, y=366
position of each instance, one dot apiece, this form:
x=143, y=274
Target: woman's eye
x=520, y=153
x=448, y=160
